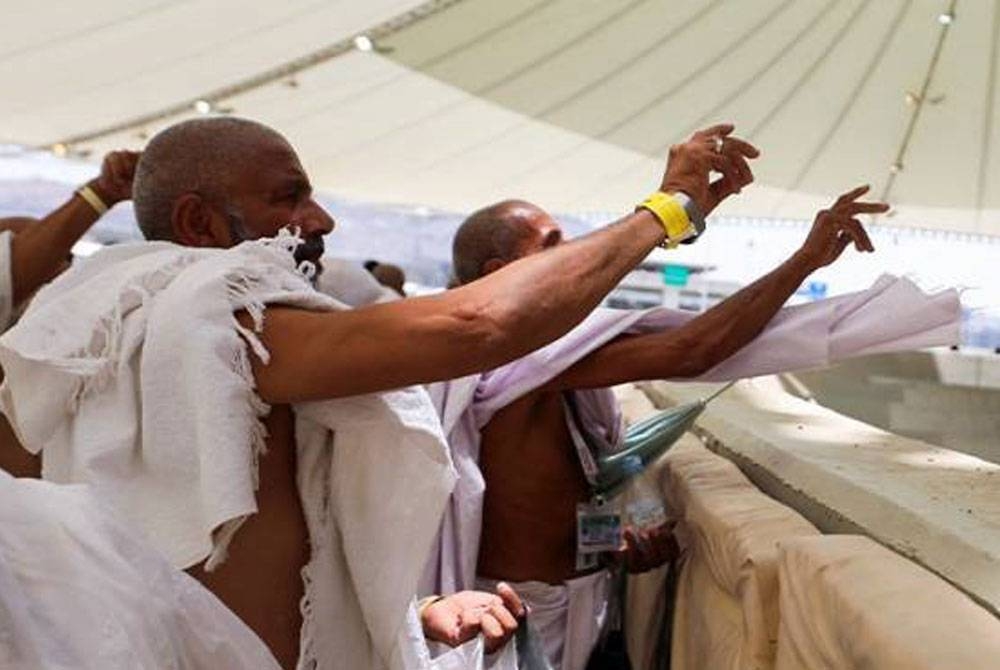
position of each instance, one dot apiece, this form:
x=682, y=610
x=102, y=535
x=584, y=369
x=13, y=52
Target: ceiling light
x=202, y=106
x=896, y=168
x=363, y=43
x=60, y=149
x=946, y=18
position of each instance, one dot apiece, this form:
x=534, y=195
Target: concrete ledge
x=938, y=507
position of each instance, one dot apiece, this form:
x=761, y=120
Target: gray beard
x=310, y=247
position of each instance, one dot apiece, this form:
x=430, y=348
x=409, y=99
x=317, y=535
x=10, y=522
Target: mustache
x=310, y=249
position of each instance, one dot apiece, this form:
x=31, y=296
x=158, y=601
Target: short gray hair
x=491, y=232
x=195, y=155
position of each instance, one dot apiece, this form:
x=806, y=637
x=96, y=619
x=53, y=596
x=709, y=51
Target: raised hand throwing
x=691, y=163
x=835, y=228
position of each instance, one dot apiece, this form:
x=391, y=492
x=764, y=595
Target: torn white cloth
x=848, y=602
x=892, y=315
x=568, y=617
x=80, y=589
x=351, y=284
x=148, y=396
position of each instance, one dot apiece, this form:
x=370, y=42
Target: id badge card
x=598, y=528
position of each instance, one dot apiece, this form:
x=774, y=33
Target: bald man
x=213, y=183
x=529, y=448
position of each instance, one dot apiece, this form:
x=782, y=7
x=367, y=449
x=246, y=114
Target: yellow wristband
x=92, y=199
x=670, y=214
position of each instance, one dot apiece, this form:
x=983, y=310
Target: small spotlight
x=896, y=168
x=202, y=106
x=363, y=43
x=60, y=149
x=946, y=18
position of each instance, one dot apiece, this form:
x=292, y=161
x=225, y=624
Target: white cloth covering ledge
x=799, y=337
x=128, y=346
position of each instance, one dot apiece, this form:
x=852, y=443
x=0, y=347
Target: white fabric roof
x=571, y=103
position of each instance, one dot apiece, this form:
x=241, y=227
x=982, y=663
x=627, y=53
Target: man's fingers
x=855, y=208
x=743, y=170
x=726, y=165
x=718, y=130
x=853, y=194
x=504, y=617
x=510, y=599
x=843, y=239
x=467, y=627
x=855, y=233
x=741, y=147
x=862, y=234
x=492, y=632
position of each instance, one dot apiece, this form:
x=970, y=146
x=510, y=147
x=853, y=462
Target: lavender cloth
x=799, y=337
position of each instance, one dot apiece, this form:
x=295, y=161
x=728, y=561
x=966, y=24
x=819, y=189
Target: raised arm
x=702, y=343
x=39, y=251
x=488, y=322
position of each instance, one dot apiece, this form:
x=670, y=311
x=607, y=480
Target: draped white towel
x=80, y=588
x=131, y=373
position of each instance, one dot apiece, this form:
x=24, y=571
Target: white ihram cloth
x=131, y=373
x=892, y=315
x=80, y=589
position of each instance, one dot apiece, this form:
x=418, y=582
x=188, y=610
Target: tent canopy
x=571, y=103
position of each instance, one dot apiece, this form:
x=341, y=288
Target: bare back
x=533, y=484
x=260, y=580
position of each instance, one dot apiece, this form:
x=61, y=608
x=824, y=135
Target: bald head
x=208, y=156
x=499, y=234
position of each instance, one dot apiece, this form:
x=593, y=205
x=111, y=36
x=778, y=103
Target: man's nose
x=314, y=220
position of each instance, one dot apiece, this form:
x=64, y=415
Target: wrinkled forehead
x=270, y=164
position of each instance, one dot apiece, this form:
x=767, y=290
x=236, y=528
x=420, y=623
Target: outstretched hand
x=459, y=617
x=691, y=163
x=836, y=228
x=114, y=183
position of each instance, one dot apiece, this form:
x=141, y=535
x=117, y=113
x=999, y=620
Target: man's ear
x=195, y=224
x=492, y=265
